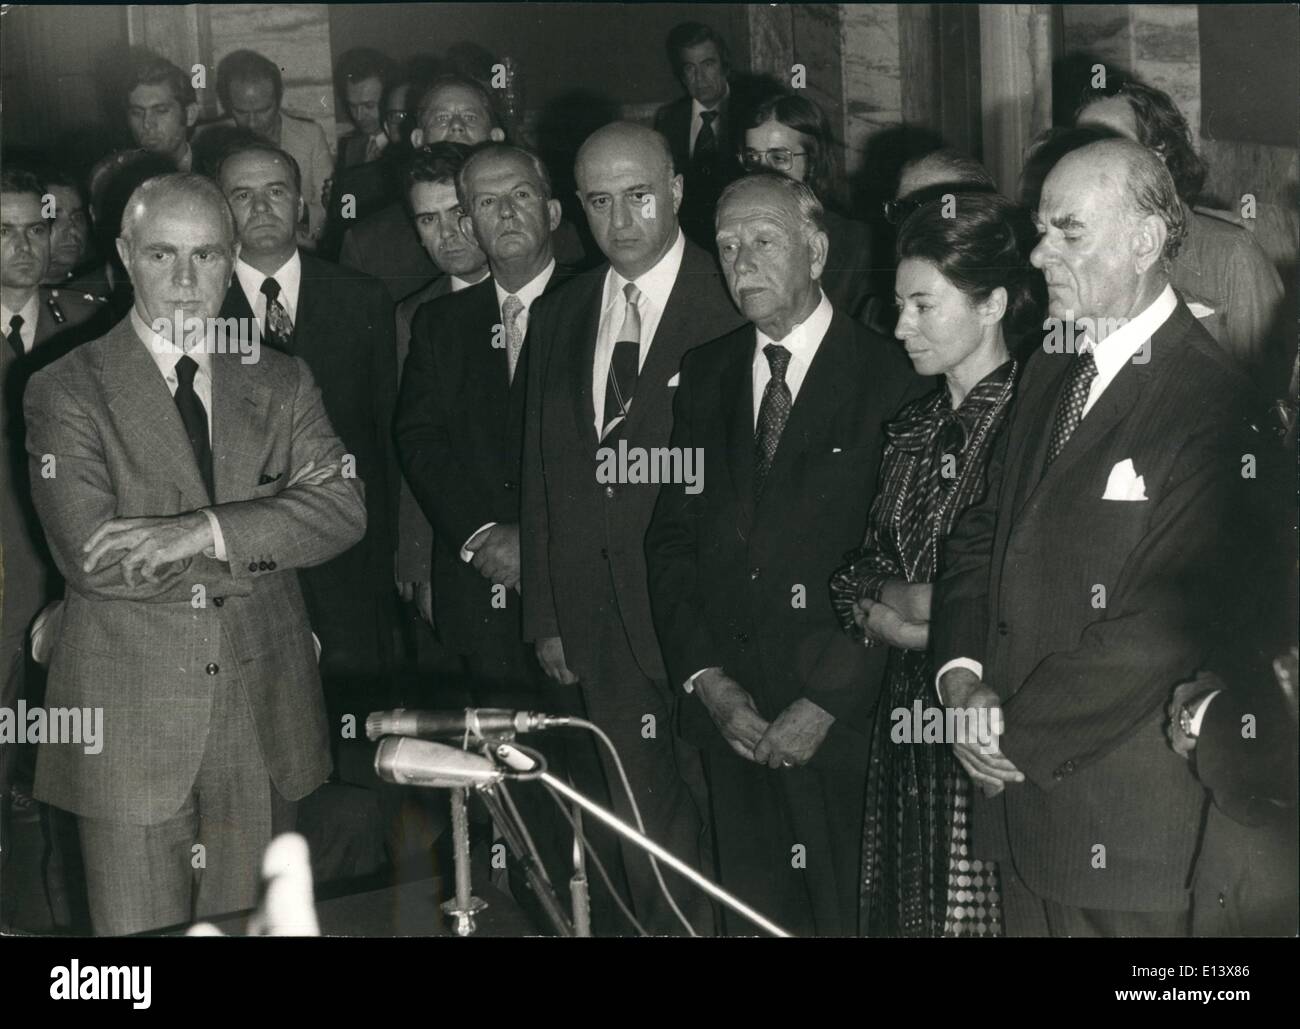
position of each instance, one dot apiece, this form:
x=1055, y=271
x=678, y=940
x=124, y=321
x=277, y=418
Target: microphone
x=408, y=762
x=477, y=721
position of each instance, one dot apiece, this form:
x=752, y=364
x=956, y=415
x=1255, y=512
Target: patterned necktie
x=195, y=418
x=624, y=364
x=15, y=337
x=1069, y=411
x=279, y=326
x=773, y=413
x=510, y=312
x=706, y=142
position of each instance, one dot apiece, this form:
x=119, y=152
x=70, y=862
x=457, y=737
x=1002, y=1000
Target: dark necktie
x=624, y=365
x=279, y=326
x=706, y=143
x=195, y=418
x=15, y=337
x=773, y=413
x=1069, y=411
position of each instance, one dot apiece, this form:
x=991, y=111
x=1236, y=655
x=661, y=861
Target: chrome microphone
x=409, y=762
x=476, y=721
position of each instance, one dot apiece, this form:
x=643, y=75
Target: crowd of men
x=231, y=552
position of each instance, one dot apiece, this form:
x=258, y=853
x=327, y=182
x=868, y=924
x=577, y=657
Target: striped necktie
x=624, y=365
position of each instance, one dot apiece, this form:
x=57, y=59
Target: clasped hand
x=790, y=740
x=901, y=618
x=496, y=555
x=150, y=544
x=984, y=762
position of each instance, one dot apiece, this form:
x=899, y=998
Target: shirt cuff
x=1198, y=716
x=689, y=685
x=969, y=664
x=466, y=554
x=218, y=551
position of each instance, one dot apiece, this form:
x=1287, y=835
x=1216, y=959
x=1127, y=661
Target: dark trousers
x=666, y=778
x=203, y=861
x=1027, y=914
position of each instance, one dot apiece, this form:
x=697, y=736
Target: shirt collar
x=698, y=108
x=529, y=292
x=288, y=275
x=656, y=285
x=164, y=352
x=1117, y=348
x=804, y=339
x=457, y=283
x=29, y=312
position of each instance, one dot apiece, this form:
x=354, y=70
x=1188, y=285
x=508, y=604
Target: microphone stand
x=514, y=840
x=464, y=905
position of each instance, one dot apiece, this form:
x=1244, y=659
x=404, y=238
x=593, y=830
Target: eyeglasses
x=779, y=158
x=896, y=211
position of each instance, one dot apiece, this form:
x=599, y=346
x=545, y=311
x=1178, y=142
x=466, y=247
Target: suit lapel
x=146, y=412
x=582, y=360
x=737, y=386
x=239, y=403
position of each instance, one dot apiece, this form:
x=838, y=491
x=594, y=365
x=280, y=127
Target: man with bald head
x=1092, y=578
x=604, y=361
x=181, y=482
x=788, y=412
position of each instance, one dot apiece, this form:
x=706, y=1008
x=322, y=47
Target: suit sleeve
x=414, y=533
x=540, y=620
x=384, y=375
x=79, y=496
x=442, y=483
x=672, y=555
x=303, y=525
x=321, y=167
x=1253, y=292
x=1080, y=703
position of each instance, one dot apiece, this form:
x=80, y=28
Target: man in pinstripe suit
x=180, y=491
x=1086, y=586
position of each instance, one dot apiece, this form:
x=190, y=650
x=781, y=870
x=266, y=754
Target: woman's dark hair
x=809, y=120
x=1160, y=127
x=978, y=242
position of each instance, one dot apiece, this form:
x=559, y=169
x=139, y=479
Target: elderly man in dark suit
x=789, y=413
x=1090, y=581
x=606, y=354
x=459, y=430
x=191, y=483
x=341, y=324
x=701, y=127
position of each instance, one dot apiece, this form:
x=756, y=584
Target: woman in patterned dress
x=967, y=296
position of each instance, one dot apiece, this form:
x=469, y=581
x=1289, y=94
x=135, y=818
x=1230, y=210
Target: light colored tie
x=624, y=364
x=510, y=312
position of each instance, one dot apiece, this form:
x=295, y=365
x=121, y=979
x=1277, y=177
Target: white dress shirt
x=803, y=342
x=526, y=294
x=697, y=122
x=165, y=354
x=29, y=312
x=289, y=277
x=656, y=285
x=1111, y=354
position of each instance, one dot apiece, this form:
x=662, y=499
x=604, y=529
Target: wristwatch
x=1185, y=722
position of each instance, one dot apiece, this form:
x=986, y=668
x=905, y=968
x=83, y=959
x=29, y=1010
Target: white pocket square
x=1125, y=483
x=675, y=380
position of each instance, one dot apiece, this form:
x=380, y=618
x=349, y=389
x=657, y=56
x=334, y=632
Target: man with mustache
x=341, y=324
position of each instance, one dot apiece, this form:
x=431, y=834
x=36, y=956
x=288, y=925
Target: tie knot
x=512, y=308
x=16, y=323
x=270, y=288
x=632, y=293
x=1086, y=363
x=708, y=116
x=186, y=367
x=778, y=359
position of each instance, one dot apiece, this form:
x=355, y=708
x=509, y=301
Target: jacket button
x=212, y=669
x=252, y=566
x=604, y=553
x=742, y=637
x=1223, y=903
x=1003, y=628
x=754, y=573
x=270, y=566
x=261, y=566
x=218, y=601
x=509, y=485
x=1068, y=767
x=609, y=492
x=1058, y=775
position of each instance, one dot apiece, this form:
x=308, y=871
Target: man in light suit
x=789, y=412
x=341, y=324
x=1091, y=580
x=604, y=364
x=188, y=488
x=435, y=209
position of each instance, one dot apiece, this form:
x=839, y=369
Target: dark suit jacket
x=147, y=654
x=576, y=529
x=459, y=430
x=703, y=183
x=344, y=330
x=1084, y=676
x=849, y=278
x=745, y=588
x=386, y=246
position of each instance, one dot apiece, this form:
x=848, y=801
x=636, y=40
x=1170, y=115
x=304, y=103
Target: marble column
x=1015, y=85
